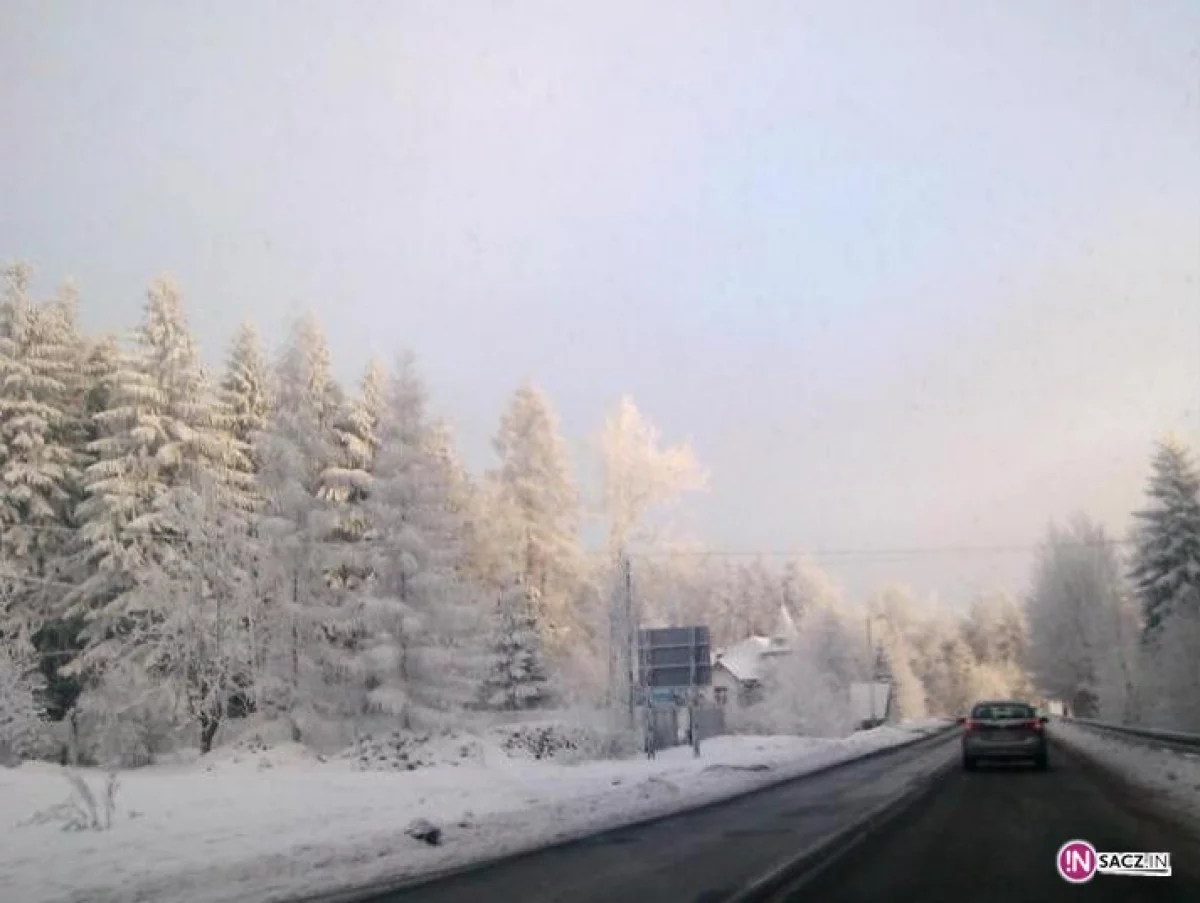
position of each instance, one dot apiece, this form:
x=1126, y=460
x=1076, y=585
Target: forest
x=184, y=552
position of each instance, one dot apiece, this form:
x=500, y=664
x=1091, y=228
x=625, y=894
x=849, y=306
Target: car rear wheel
x=1041, y=763
x=969, y=763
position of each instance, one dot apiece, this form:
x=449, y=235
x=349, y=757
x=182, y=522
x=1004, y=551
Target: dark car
x=1004, y=730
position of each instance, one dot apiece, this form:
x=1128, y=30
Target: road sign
x=674, y=658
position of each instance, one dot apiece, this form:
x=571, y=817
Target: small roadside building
x=739, y=671
x=870, y=703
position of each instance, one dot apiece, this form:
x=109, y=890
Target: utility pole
x=623, y=643
x=871, y=667
x=631, y=640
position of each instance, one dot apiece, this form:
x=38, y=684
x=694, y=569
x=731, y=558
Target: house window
x=721, y=694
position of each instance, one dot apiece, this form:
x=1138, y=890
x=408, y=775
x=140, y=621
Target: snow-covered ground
x=280, y=823
x=1172, y=776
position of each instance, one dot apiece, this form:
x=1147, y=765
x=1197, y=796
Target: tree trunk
x=209, y=722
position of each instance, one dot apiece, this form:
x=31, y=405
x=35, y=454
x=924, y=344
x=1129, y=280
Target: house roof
x=744, y=660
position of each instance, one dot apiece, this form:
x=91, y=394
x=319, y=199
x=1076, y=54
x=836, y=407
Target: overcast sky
x=907, y=274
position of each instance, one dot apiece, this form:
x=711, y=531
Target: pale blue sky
x=907, y=274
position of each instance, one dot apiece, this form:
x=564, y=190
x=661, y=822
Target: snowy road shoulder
x=281, y=825
x=1173, y=777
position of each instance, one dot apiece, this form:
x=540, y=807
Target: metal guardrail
x=1176, y=741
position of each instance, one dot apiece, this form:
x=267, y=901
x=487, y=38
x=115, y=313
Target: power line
x=869, y=553
x=843, y=553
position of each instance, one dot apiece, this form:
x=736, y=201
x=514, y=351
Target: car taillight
x=1035, y=724
x=970, y=725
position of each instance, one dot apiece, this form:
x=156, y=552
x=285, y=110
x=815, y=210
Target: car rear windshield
x=995, y=711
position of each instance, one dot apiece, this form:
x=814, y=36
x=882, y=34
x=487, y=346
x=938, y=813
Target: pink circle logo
x=1077, y=861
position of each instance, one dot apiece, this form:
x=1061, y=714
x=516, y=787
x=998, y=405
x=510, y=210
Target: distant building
x=740, y=670
x=870, y=704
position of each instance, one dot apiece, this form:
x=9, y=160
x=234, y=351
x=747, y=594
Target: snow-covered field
x=1172, y=776
x=277, y=824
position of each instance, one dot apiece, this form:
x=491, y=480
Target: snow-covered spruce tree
x=39, y=351
x=346, y=483
x=1166, y=579
x=157, y=433
x=347, y=562
x=297, y=663
x=245, y=402
x=537, y=510
x=423, y=650
x=516, y=677
x=1166, y=563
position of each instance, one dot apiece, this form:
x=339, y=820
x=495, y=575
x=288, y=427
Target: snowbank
x=1172, y=776
x=270, y=825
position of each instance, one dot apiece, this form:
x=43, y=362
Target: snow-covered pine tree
x=39, y=348
x=424, y=654
x=516, y=677
x=1166, y=562
x=537, y=509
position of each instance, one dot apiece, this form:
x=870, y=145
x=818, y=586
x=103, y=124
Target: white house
x=739, y=671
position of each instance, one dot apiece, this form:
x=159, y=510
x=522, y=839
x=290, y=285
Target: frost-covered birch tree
x=201, y=601
x=639, y=475
x=1076, y=586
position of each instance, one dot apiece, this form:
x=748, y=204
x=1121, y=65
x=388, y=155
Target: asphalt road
x=698, y=857
x=993, y=835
